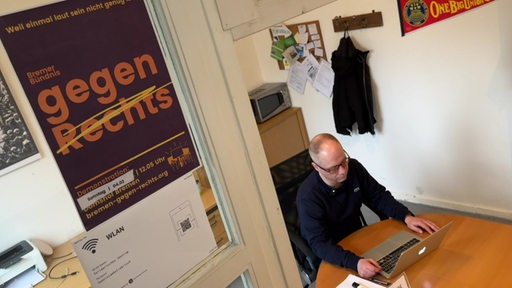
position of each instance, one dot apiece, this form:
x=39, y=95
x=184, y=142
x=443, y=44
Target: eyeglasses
x=334, y=169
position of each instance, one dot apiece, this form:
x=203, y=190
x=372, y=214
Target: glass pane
x=244, y=281
x=211, y=207
x=205, y=188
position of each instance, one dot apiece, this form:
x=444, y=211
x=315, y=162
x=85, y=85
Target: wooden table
x=475, y=253
x=61, y=263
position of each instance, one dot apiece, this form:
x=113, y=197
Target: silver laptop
x=403, y=249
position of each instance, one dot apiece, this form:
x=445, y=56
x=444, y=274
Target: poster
x=97, y=82
x=140, y=246
x=415, y=14
x=17, y=148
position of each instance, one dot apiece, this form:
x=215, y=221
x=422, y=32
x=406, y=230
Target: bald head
x=329, y=159
x=322, y=144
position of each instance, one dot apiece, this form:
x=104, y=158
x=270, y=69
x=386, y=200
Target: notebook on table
x=403, y=249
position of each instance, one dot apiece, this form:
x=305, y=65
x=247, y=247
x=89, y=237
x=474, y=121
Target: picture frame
x=17, y=147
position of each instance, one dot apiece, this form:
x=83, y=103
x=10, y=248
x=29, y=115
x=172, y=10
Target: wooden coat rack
x=373, y=19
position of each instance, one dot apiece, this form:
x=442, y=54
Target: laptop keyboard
x=388, y=262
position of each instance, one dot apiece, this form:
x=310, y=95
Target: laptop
x=403, y=249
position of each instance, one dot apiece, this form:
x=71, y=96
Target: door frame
x=211, y=80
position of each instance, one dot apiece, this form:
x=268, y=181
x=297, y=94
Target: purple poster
x=96, y=79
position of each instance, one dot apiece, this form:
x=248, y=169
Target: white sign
x=152, y=243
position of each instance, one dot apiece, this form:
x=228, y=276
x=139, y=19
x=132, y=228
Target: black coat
x=352, y=92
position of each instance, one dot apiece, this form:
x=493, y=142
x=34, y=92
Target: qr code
x=185, y=225
x=183, y=219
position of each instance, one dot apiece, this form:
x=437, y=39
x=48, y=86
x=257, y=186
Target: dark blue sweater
x=327, y=216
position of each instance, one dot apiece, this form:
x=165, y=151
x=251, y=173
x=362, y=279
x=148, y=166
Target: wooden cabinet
x=213, y=213
x=284, y=135
x=219, y=232
x=211, y=208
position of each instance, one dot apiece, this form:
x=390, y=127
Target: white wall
x=34, y=200
x=443, y=103
x=443, y=96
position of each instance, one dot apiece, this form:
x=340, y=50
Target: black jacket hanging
x=352, y=99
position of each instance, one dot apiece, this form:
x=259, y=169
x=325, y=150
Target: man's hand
x=367, y=268
x=419, y=225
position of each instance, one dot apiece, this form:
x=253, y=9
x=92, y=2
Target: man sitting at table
x=329, y=202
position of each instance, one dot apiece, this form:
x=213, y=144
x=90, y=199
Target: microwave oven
x=269, y=99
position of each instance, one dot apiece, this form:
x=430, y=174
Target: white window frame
x=209, y=75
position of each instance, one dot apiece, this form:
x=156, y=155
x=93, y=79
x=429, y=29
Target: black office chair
x=307, y=261
x=288, y=176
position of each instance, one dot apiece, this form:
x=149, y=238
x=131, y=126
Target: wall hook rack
x=373, y=19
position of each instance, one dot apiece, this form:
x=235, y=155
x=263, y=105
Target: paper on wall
x=152, y=243
x=324, y=79
x=297, y=77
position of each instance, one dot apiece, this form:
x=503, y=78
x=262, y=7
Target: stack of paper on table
x=401, y=282
x=347, y=283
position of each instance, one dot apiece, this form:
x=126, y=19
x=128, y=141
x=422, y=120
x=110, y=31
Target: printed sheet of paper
x=347, y=283
x=311, y=65
x=401, y=282
x=297, y=77
x=324, y=79
x=151, y=244
x=312, y=28
x=29, y=278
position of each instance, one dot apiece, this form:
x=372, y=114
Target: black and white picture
x=17, y=148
